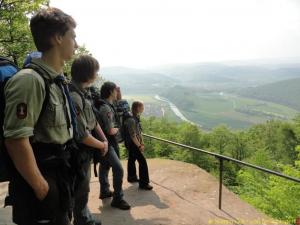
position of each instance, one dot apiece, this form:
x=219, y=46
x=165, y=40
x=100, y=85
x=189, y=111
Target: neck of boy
x=110, y=100
x=54, y=61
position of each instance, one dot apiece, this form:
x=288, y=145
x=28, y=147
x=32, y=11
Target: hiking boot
x=122, y=204
x=147, y=187
x=106, y=195
x=133, y=180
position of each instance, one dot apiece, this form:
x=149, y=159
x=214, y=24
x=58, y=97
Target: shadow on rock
x=140, y=197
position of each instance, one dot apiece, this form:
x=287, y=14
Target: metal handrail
x=221, y=158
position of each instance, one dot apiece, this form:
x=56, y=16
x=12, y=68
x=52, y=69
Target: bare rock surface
x=183, y=194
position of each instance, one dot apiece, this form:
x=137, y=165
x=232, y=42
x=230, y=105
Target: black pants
x=54, y=162
x=28, y=210
x=135, y=154
x=81, y=212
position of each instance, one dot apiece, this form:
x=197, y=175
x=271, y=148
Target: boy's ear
x=56, y=39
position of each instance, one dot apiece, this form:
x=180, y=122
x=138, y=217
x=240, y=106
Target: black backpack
x=7, y=70
x=123, y=112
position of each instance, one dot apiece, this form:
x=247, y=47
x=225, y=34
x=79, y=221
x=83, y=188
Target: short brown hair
x=134, y=107
x=84, y=68
x=107, y=88
x=47, y=23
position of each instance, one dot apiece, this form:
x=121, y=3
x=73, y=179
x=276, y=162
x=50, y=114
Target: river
x=174, y=109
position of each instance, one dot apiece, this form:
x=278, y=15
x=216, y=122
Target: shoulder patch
x=21, y=111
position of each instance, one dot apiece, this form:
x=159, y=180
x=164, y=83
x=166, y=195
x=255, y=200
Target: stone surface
x=183, y=194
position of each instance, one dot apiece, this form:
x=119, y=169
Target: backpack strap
x=48, y=81
x=72, y=88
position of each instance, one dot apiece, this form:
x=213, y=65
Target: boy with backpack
x=39, y=123
x=135, y=145
x=84, y=72
x=107, y=118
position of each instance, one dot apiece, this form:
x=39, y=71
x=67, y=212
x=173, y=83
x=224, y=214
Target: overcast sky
x=140, y=33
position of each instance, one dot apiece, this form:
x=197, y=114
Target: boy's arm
x=24, y=96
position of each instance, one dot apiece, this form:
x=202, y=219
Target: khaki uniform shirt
x=86, y=120
x=134, y=129
x=25, y=93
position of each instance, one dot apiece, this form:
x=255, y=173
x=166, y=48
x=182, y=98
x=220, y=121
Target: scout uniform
x=86, y=123
x=46, y=120
x=25, y=94
x=133, y=129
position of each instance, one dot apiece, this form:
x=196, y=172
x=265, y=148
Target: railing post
x=220, y=182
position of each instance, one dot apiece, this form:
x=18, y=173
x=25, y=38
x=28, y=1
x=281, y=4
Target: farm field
x=212, y=109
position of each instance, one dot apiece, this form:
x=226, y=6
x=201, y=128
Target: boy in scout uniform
x=107, y=117
x=84, y=72
x=135, y=145
x=38, y=126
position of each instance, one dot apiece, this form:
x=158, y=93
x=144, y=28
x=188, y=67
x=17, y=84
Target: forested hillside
x=285, y=92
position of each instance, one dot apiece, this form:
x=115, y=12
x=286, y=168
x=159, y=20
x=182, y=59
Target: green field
x=210, y=110
x=213, y=109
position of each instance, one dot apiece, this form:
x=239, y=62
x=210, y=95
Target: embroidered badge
x=22, y=111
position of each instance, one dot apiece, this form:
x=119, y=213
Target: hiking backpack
x=123, y=112
x=7, y=70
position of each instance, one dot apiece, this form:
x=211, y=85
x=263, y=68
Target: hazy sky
x=142, y=33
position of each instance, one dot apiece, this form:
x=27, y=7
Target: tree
x=16, y=40
x=239, y=145
x=273, y=195
x=220, y=138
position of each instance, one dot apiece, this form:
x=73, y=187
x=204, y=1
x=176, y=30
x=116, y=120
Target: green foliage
x=16, y=40
x=220, y=138
x=271, y=194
